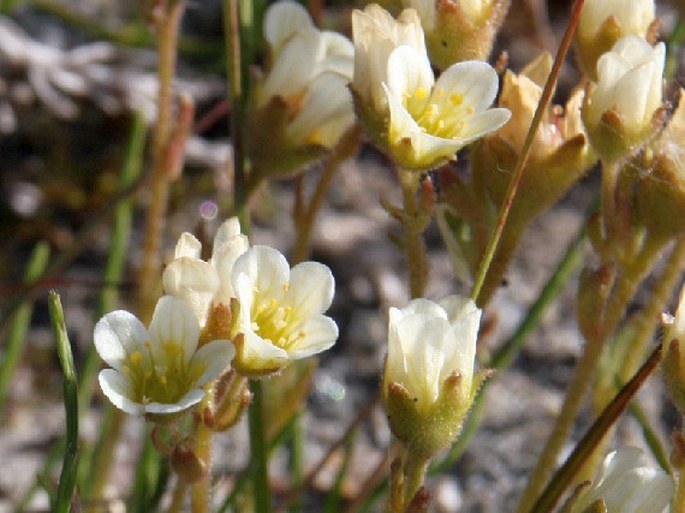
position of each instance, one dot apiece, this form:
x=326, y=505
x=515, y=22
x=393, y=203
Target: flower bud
x=428, y=383
x=620, y=107
x=559, y=154
x=660, y=189
x=603, y=22
x=459, y=30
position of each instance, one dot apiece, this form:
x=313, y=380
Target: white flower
x=160, y=370
x=429, y=383
x=376, y=34
x=629, y=86
x=430, y=121
x=281, y=310
x=428, y=343
x=205, y=283
x=634, y=16
x=626, y=485
x=310, y=72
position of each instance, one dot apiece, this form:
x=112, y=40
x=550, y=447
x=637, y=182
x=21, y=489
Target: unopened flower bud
x=619, y=110
x=604, y=22
x=660, y=181
x=459, y=30
x=428, y=383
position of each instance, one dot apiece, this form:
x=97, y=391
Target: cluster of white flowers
x=274, y=315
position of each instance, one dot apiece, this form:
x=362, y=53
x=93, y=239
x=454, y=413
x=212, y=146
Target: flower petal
x=173, y=321
x=410, y=77
x=327, y=103
x=266, y=269
x=282, y=20
x=214, y=356
x=193, y=280
x=258, y=354
x=193, y=397
x=118, y=389
x=474, y=81
x=311, y=288
x=117, y=335
x=320, y=333
x=188, y=246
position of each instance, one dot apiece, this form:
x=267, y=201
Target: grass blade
x=67, y=480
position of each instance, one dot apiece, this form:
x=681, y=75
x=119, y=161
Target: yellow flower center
x=443, y=116
x=276, y=323
x=165, y=381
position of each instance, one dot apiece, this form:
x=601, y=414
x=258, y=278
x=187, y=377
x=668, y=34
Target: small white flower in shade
x=633, y=16
x=205, y=283
x=629, y=88
x=310, y=72
x=430, y=121
x=160, y=370
x=376, y=34
x=428, y=342
x=281, y=311
x=626, y=485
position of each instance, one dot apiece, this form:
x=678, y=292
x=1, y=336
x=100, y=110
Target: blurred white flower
x=281, y=311
x=627, y=93
x=429, y=342
x=205, y=283
x=310, y=70
x=376, y=34
x=160, y=370
x=626, y=485
x=430, y=121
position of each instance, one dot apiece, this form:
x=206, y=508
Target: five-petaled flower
x=280, y=316
x=420, y=122
x=160, y=370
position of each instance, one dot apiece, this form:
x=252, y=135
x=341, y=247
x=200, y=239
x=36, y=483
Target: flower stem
x=562, y=479
x=679, y=499
x=620, y=297
x=304, y=218
x=259, y=451
x=167, y=42
x=199, y=493
x=176, y=505
x=413, y=224
x=525, y=152
x=414, y=475
x=235, y=93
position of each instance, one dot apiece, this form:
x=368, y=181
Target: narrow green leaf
x=67, y=480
